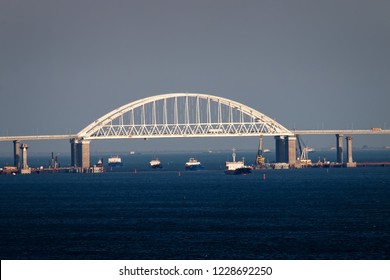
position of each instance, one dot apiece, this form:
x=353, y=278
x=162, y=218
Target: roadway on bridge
x=297, y=132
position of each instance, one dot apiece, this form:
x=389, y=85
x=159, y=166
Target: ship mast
x=234, y=154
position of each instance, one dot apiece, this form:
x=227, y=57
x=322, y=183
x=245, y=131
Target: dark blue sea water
x=334, y=213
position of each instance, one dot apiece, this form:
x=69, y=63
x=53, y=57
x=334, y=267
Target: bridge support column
x=291, y=150
x=17, y=153
x=80, y=154
x=339, y=148
x=25, y=169
x=73, y=152
x=83, y=155
x=350, y=162
x=280, y=149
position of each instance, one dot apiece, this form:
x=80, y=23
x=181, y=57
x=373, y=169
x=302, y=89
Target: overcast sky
x=308, y=64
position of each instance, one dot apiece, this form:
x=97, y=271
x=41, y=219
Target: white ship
x=236, y=167
x=310, y=149
x=97, y=168
x=155, y=163
x=193, y=164
x=114, y=161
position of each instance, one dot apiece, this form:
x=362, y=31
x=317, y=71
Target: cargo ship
x=114, y=161
x=155, y=163
x=237, y=167
x=192, y=164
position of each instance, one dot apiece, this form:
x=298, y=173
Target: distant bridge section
x=38, y=137
x=294, y=132
x=342, y=131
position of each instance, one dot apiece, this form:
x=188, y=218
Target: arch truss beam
x=182, y=115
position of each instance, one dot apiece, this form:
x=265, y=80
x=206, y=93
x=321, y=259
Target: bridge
x=185, y=115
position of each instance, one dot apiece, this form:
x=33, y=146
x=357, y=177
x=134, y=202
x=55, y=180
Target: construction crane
x=303, y=152
x=259, y=157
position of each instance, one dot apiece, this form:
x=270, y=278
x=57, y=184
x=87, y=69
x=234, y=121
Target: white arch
x=230, y=118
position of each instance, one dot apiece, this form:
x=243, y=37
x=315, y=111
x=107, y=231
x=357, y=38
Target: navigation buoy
x=264, y=176
x=179, y=174
x=135, y=170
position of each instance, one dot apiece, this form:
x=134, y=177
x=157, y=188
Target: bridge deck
x=342, y=131
x=299, y=132
x=38, y=137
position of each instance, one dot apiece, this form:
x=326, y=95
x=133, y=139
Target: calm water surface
x=292, y=214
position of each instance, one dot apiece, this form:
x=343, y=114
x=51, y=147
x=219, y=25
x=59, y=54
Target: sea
x=136, y=213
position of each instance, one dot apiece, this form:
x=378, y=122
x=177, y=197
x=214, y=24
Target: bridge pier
x=80, y=153
x=280, y=149
x=285, y=149
x=291, y=150
x=350, y=162
x=339, y=148
x=73, y=152
x=17, y=153
x=25, y=169
x=84, y=155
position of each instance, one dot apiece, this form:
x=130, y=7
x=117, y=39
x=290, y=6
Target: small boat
x=237, y=167
x=192, y=164
x=325, y=163
x=98, y=167
x=155, y=163
x=310, y=149
x=114, y=161
x=280, y=165
x=9, y=170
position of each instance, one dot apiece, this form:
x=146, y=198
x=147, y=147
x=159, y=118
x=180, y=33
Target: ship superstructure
x=114, y=161
x=236, y=167
x=193, y=164
x=155, y=163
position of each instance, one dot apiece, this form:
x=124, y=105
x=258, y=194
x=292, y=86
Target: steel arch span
x=182, y=115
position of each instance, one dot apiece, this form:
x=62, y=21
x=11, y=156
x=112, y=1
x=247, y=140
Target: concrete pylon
x=280, y=149
x=291, y=150
x=80, y=153
x=17, y=153
x=350, y=162
x=73, y=152
x=25, y=169
x=83, y=155
x=339, y=148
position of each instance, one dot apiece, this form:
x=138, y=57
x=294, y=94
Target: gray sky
x=309, y=64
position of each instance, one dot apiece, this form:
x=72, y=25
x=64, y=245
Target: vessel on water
x=114, y=161
x=310, y=149
x=97, y=168
x=280, y=165
x=9, y=170
x=192, y=164
x=325, y=163
x=237, y=167
x=155, y=163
